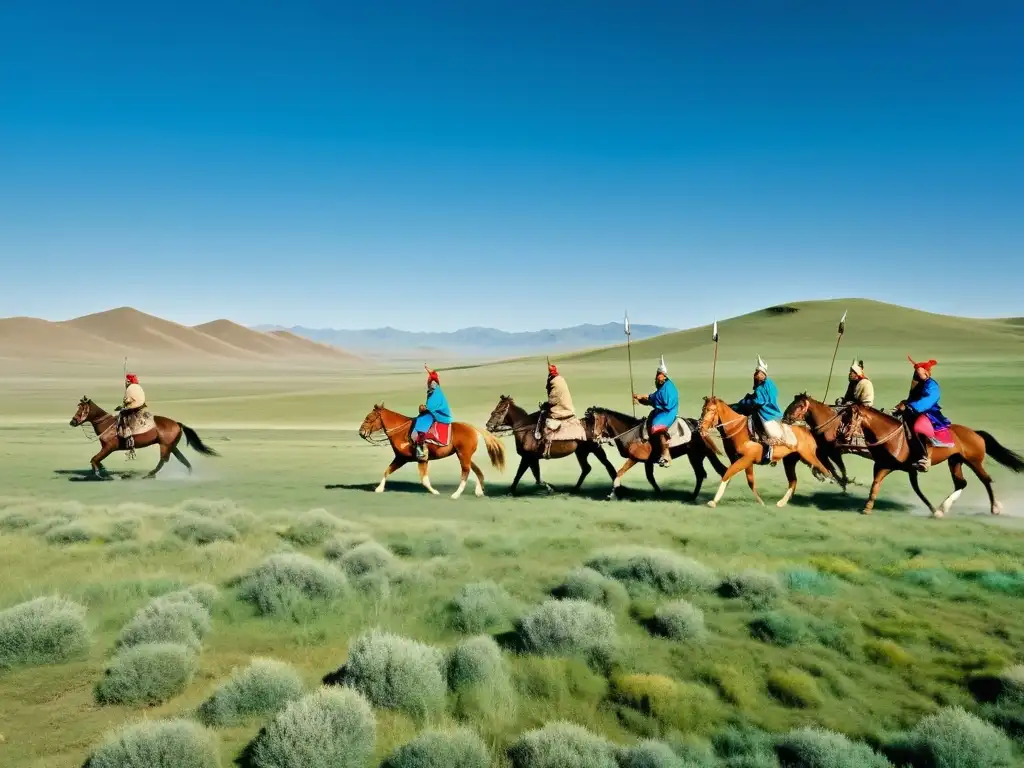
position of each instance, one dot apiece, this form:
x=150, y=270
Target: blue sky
x=516, y=164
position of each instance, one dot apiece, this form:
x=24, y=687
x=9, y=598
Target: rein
x=95, y=424
x=371, y=437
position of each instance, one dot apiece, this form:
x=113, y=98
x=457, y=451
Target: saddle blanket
x=137, y=423
x=563, y=429
x=438, y=434
x=678, y=434
x=943, y=438
x=760, y=431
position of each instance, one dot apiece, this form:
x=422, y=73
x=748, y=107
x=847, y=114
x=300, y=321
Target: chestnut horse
x=463, y=443
x=824, y=421
x=888, y=443
x=625, y=432
x=509, y=417
x=167, y=433
x=744, y=451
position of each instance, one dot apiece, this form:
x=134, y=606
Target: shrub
x=263, y=688
x=158, y=744
x=15, y=521
x=674, y=703
x=396, y=673
x=758, y=588
x=736, y=686
x=779, y=628
x=69, y=533
x=147, y=674
x=562, y=745
x=810, y=581
x=312, y=528
x=952, y=738
x=680, y=620
x=332, y=728
x=659, y=569
x=204, y=594
x=281, y=580
x=125, y=529
x=837, y=566
x=818, y=748
x=47, y=630
x=476, y=661
x=794, y=688
x=587, y=584
x=567, y=628
x=339, y=545
x=649, y=754
x=169, y=619
x=202, y=530
x=366, y=558
x=745, y=741
x=887, y=652
x=458, y=748
x=480, y=607
x=1006, y=582
x=1012, y=685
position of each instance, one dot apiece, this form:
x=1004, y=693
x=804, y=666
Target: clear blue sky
x=432, y=165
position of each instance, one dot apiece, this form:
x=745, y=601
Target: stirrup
x=422, y=454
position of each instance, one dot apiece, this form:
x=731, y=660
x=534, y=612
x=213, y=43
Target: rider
x=925, y=414
x=435, y=409
x=133, y=403
x=556, y=410
x=664, y=401
x=860, y=391
x=763, y=403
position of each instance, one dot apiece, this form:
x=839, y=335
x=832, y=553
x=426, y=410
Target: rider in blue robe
x=436, y=408
x=664, y=402
x=763, y=403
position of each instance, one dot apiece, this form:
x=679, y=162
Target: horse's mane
x=610, y=412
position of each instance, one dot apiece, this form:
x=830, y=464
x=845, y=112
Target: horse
x=509, y=417
x=167, y=433
x=625, y=432
x=823, y=421
x=888, y=444
x=463, y=443
x=744, y=451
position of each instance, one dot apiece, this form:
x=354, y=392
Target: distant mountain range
x=473, y=341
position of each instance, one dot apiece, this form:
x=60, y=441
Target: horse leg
x=165, y=455
x=465, y=462
x=880, y=474
x=617, y=481
x=425, y=478
x=535, y=467
x=603, y=458
x=97, y=461
x=986, y=480
x=740, y=465
x=956, y=471
x=752, y=482
x=524, y=463
x=697, y=462
x=581, y=457
x=915, y=483
x=844, y=478
x=181, y=457
x=398, y=463
x=479, y=477
x=789, y=464
x=649, y=469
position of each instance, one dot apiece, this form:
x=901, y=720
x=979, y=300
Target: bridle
x=369, y=434
x=719, y=424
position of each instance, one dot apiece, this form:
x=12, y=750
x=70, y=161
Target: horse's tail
x=495, y=450
x=1006, y=457
x=195, y=443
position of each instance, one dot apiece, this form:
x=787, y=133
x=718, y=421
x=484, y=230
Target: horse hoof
x=479, y=493
x=780, y=503
x=865, y=511
x=378, y=489
x=997, y=508
x=712, y=503
x=938, y=513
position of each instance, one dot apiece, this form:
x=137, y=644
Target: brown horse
x=744, y=451
x=824, y=421
x=888, y=443
x=463, y=444
x=625, y=432
x=167, y=433
x=509, y=417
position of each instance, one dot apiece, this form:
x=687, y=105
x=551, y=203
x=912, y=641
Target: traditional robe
x=763, y=401
x=664, y=402
x=559, y=400
x=437, y=410
x=134, y=397
x=924, y=401
x=861, y=391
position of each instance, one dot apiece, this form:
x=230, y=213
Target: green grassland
x=863, y=625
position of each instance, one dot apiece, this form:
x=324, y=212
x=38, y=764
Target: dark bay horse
x=824, y=421
x=396, y=427
x=889, y=447
x=509, y=417
x=745, y=452
x=625, y=431
x=167, y=433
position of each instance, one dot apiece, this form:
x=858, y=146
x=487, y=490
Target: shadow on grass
x=844, y=502
x=88, y=476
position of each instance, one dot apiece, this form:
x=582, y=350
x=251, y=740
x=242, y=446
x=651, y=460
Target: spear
x=842, y=330
x=714, y=364
x=629, y=356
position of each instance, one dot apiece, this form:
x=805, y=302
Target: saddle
x=132, y=423
x=559, y=429
x=757, y=430
x=679, y=433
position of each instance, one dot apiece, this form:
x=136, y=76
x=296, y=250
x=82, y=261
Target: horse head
x=709, y=415
x=599, y=422
x=499, y=415
x=798, y=409
x=374, y=422
x=82, y=412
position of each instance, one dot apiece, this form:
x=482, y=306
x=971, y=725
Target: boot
x=922, y=457
x=421, y=452
x=666, y=453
